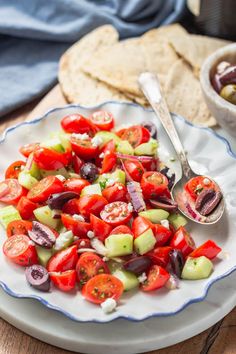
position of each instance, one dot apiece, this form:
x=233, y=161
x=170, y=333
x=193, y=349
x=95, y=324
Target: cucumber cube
x=64, y=139
x=53, y=144
x=145, y=242
x=149, y=148
x=60, y=171
x=107, y=136
x=129, y=280
x=119, y=245
x=177, y=220
x=8, y=214
x=197, y=268
x=92, y=189
x=155, y=215
x=44, y=255
x=45, y=216
x=34, y=170
x=26, y=180
x=118, y=176
x=124, y=147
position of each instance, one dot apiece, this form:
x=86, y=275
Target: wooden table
x=219, y=339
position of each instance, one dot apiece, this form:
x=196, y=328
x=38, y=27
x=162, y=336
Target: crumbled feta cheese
x=82, y=243
x=61, y=178
x=31, y=243
x=62, y=240
x=82, y=250
x=110, y=182
x=105, y=259
x=102, y=155
x=142, y=278
x=108, y=305
x=98, y=246
x=130, y=207
x=90, y=234
x=120, y=188
x=206, y=181
x=96, y=141
x=165, y=223
x=78, y=217
x=84, y=136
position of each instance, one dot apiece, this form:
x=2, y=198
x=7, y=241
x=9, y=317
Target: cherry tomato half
x=100, y=228
x=196, y=185
x=102, y=120
x=63, y=260
x=91, y=204
x=65, y=281
x=48, y=159
x=89, y=265
x=135, y=169
x=153, y=184
x=18, y=227
x=41, y=191
x=76, y=163
x=71, y=207
x=84, y=148
x=183, y=241
x=116, y=213
x=161, y=233
x=122, y=229
x=117, y=192
x=156, y=278
x=20, y=250
x=76, y=123
x=102, y=287
x=140, y=225
x=79, y=228
x=160, y=255
x=13, y=191
x=26, y=208
x=27, y=149
x=75, y=185
x=135, y=135
x=14, y=169
x=208, y=249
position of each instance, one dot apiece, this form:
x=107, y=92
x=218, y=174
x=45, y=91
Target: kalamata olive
x=151, y=128
x=228, y=76
x=170, y=176
x=89, y=171
x=228, y=92
x=42, y=235
x=164, y=203
x=207, y=200
x=176, y=262
x=138, y=265
x=38, y=277
x=57, y=200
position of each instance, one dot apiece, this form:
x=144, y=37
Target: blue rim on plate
x=44, y=302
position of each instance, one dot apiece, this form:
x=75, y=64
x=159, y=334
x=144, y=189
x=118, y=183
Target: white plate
x=207, y=154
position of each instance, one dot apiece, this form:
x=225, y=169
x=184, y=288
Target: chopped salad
x=90, y=209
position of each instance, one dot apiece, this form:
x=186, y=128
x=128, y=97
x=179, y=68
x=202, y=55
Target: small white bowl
x=222, y=110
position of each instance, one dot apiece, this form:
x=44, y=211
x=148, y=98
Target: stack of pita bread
x=101, y=68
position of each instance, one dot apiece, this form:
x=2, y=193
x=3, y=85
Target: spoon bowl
x=149, y=85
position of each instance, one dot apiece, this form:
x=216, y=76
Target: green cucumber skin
x=26, y=180
x=197, y=268
x=119, y=245
x=129, y=280
x=149, y=148
x=155, y=215
x=8, y=214
x=177, y=220
x=145, y=242
x=124, y=147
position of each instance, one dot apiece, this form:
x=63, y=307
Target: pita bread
x=184, y=97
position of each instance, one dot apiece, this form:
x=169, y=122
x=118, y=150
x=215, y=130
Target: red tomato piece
x=135, y=169
x=14, y=191
x=183, y=241
x=20, y=250
x=27, y=149
x=122, y=229
x=71, y=207
x=14, y=169
x=26, y=208
x=135, y=135
x=76, y=163
x=84, y=148
x=160, y=255
x=115, y=193
x=75, y=185
x=79, y=228
x=41, y=191
x=109, y=160
x=102, y=287
x=102, y=120
x=76, y=123
x=195, y=186
x=153, y=184
x=208, y=249
x=91, y=204
x=161, y=233
x=65, y=281
x=82, y=243
x=63, y=260
x=156, y=278
x=100, y=228
x=151, y=165
x=48, y=159
x=116, y=213
x=18, y=227
x=140, y=225
x=89, y=265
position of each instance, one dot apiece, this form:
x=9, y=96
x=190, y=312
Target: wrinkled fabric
x=35, y=33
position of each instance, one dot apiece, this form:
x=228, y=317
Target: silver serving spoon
x=149, y=84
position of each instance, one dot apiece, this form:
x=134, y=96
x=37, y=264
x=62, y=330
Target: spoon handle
x=150, y=86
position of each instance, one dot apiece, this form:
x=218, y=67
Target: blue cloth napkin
x=34, y=34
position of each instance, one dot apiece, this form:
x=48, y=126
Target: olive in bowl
x=218, y=83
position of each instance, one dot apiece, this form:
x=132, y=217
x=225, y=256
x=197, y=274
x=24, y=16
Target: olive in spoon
x=209, y=206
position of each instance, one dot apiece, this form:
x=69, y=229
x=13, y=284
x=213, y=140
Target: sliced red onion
x=192, y=212
x=29, y=162
x=136, y=196
x=134, y=158
x=164, y=203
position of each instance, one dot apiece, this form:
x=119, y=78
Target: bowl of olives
x=218, y=82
